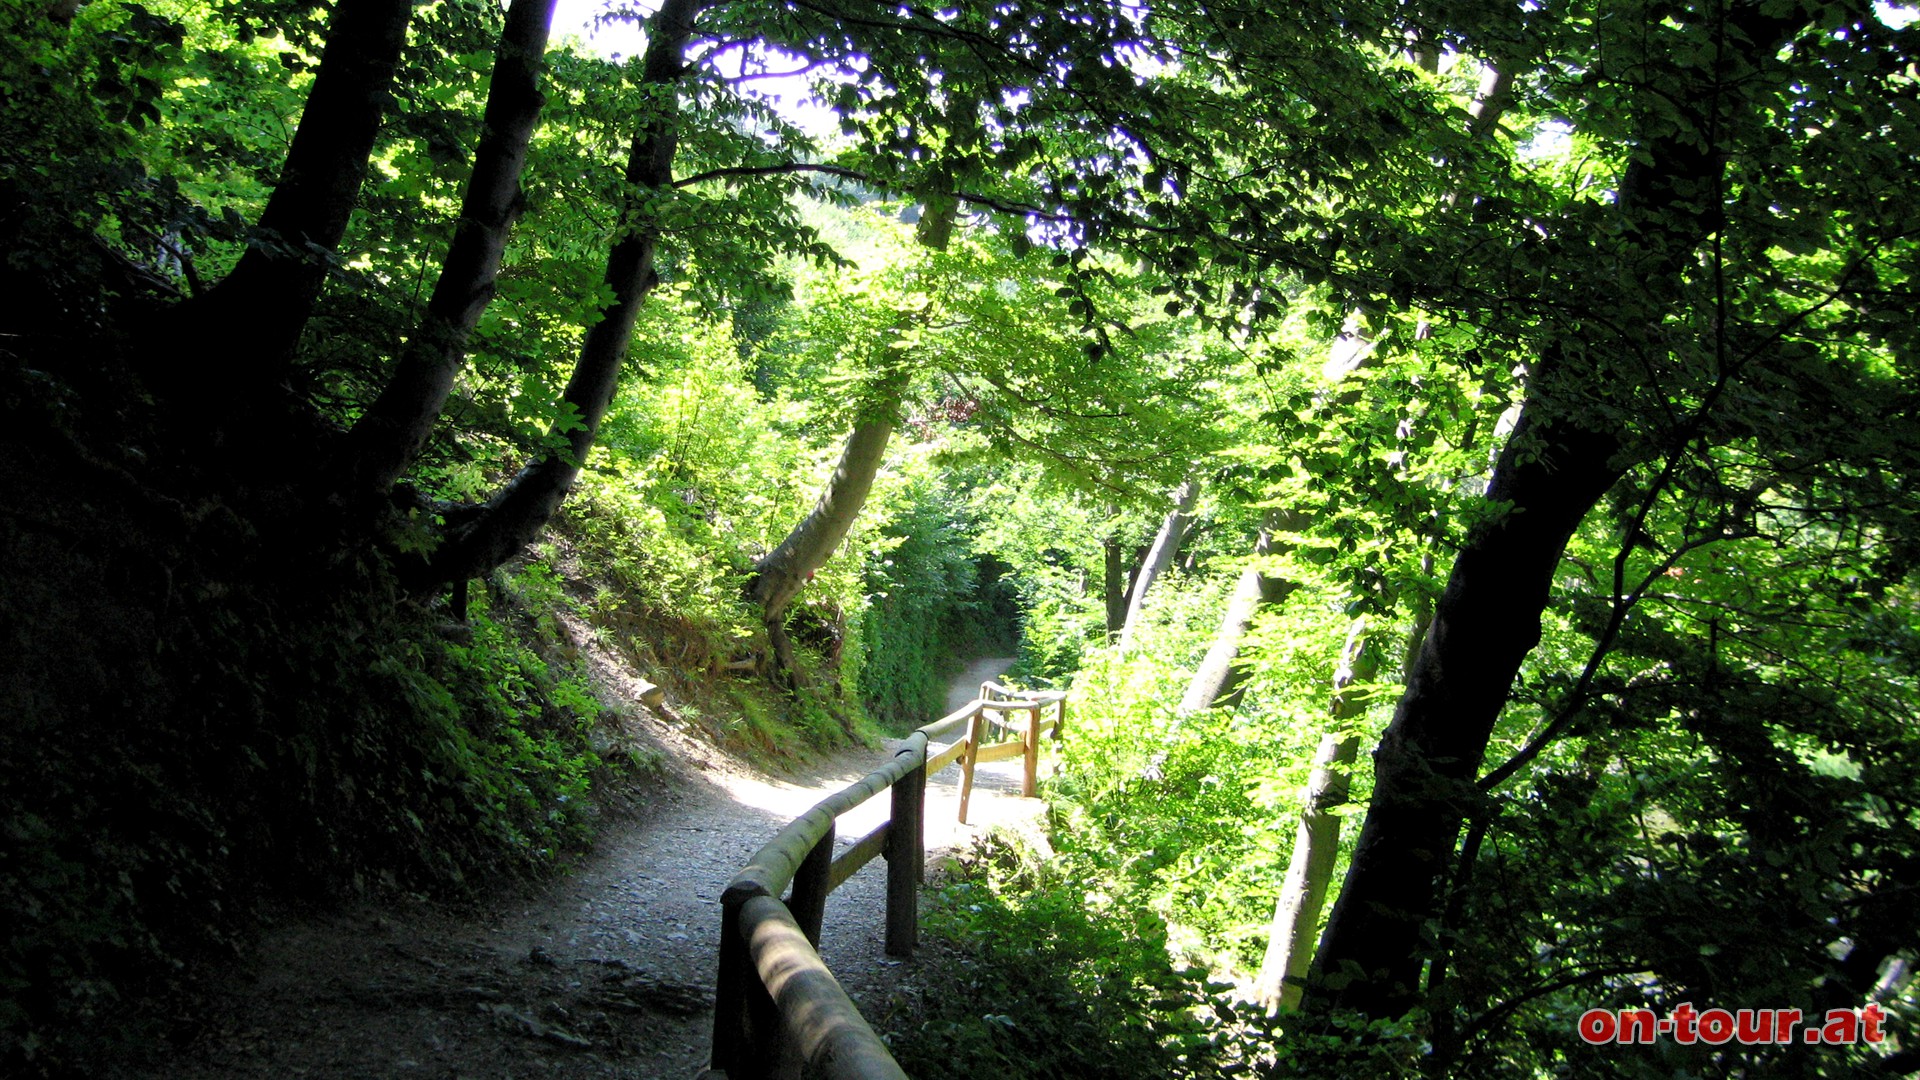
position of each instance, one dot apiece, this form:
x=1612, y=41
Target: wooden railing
x=777, y=1009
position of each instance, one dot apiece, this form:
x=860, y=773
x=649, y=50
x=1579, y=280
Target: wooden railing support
x=829, y=1036
x=778, y=1010
x=746, y=1024
x=1030, y=778
x=808, y=901
x=906, y=858
x=976, y=731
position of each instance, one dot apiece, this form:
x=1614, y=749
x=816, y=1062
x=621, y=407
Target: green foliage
x=517, y=729
x=1051, y=979
x=1193, y=817
x=79, y=100
x=690, y=473
x=1048, y=542
x=325, y=748
x=927, y=602
x=220, y=693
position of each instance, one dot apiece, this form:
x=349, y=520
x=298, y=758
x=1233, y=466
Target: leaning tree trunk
x=246, y=327
x=1316, y=846
x=517, y=513
x=1217, y=682
x=1485, y=623
x=1555, y=467
x=780, y=574
x=1290, y=944
x=1166, y=544
x=388, y=436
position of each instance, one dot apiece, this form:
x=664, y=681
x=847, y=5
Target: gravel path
x=607, y=971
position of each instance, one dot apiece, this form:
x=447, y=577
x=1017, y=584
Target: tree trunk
x=1166, y=544
x=780, y=574
x=517, y=513
x=1485, y=623
x=1216, y=683
x=1552, y=470
x=391, y=432
x=1114, y=583
x=1316, y=846
x=249, y=324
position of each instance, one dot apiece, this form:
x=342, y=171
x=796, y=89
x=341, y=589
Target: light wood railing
x=777, y=1009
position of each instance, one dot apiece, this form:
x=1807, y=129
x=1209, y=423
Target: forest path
x=605, y=972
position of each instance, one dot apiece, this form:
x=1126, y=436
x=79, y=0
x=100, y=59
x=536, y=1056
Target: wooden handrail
x=771, y=869
x=777, y=1008
x=823, y=1022
x=1008, y=692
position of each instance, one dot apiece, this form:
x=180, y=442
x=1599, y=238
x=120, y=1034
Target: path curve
x=966, y=685
x=606, y=972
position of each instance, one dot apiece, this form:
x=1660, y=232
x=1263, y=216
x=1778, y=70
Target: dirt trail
x=605, y=972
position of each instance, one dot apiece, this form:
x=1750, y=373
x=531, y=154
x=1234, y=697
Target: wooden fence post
x=1030, y=780
x=906, y=858
x=975, y=731
x=1060, y=721
x=746, y=1024
x=808, y=900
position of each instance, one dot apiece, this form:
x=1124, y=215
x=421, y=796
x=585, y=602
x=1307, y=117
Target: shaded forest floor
x=605, y=971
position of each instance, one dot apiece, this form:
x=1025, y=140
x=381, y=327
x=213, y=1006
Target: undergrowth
x=219, y=699
x=211, y=710
x=1117, y=957
x=1042, y=977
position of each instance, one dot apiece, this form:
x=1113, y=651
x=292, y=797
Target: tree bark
x=517, y=513
x=1552, y=470
x=387, y=437
x=1114, y=584
x=1166, y=544
x=249, y=324
x=1216, y=683
x=1485, y=623
x=780, y=574
x=1316, y=846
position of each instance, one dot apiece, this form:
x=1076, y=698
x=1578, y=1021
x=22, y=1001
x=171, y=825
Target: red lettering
x=1684, y=1019
x=1870, y=1018
x=1716, y=1026
x=1754, y=1026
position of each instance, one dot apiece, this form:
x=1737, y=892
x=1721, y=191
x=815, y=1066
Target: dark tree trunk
x=247, y=326
x=514, y=516
x=1485, y=623
x=1114, y=584
x=391, y=432
x=1553, y=469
